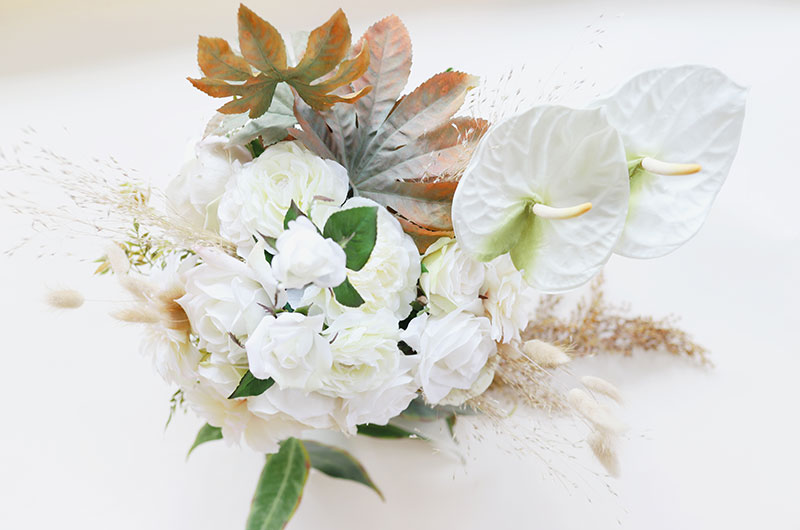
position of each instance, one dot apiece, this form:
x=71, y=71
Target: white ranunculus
x=304, y=257
x=388, y=279
x=290, y=350
x=258, y=196
x=262, y=430
x=365, y=352
x=226, y=298
x=195, y=193
x=453, y=279
x=508, y=299
x=452, y=349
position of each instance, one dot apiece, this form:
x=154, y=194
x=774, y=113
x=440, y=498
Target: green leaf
x=338, y=463
x=355, y=230
x=451, y=424
x=418, y=410
x=386, y=431
x=347, y=295
x=280, y=487
x=207, y=433
x=250, y=385
x=292, y=213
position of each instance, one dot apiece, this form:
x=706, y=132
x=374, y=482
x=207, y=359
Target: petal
x=687, y=114
x=553, y=155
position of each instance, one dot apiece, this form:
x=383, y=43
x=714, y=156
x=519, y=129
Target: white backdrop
x=82, y=443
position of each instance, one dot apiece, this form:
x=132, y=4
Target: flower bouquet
x=340, y=254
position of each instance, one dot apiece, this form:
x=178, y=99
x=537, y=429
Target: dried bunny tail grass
x=595, y=326
x=138, y=314
x=598, y=415
x=601, y=386
x=544, y=354
x=117, y=259
x=64, y=299
x=102, y=200
x=602, y=445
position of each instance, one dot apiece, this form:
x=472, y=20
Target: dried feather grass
x=97, y=199
x=595, y=326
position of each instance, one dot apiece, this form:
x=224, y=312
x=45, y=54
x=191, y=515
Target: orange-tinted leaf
x=261, y=43
x=389, y=67
x=256, y=97
x=216, y=87
x=346, y=72
x=217, y=60
x=423, y=237
x=327, y=46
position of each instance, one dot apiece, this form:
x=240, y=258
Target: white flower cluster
x=343, y=329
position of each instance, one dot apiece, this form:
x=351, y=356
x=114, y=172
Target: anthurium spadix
x=550, y=187
x=681, y=128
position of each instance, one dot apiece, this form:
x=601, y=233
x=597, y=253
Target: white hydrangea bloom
x=257, y=198
x=195, y=193
x=388, y=279
x=453, y=351
x=508, y=300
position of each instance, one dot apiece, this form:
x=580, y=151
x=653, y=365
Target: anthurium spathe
x=681, y=128
x=550, y=187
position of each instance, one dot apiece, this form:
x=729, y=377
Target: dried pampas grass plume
x=64, y=299
x=601, y=386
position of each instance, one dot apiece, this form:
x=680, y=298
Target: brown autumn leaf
x=317, y=78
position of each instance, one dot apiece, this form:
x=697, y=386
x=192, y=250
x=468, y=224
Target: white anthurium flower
x=257, y=197
x=453, y=351
x=387, y=280
x=195, y=193
x=452, y=279
x=290, y=350
x=681, y=128
x=304, y=257
x=550, y=187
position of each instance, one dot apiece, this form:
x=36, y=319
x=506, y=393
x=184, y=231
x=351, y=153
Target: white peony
x=195, y=193
x=453, y=279
x=304, y=257
x=225, y=301
x=453, y=351
x=388, y=279
x=258, y=196
x=508, y=299
x=291, y=350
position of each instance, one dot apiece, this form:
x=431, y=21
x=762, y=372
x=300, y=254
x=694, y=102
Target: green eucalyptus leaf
x=280, y=487
x=355, y=230
x=386, y=431
x=207, y=433
x=347, y=295
x=250, y=385
x=338, y=463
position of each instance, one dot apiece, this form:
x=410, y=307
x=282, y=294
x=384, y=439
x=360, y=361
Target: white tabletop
x=82, y=440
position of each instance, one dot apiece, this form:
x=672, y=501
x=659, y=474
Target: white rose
x=388, y=279
x=257, y=197
x=262, y=430
x=453, y=279
x=291, y=350
x=304, y=257
x=195, y=193
x=452, y=349
x=508, y=299
x=313, y=410
x=365, y=353
x=225, y=301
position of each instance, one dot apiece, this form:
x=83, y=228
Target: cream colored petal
x=689, y=115
x=551, y=155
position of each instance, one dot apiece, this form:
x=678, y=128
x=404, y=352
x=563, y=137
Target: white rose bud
x=305, y=257
x=290, y=350
x=452, y=349
x=453, y=279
